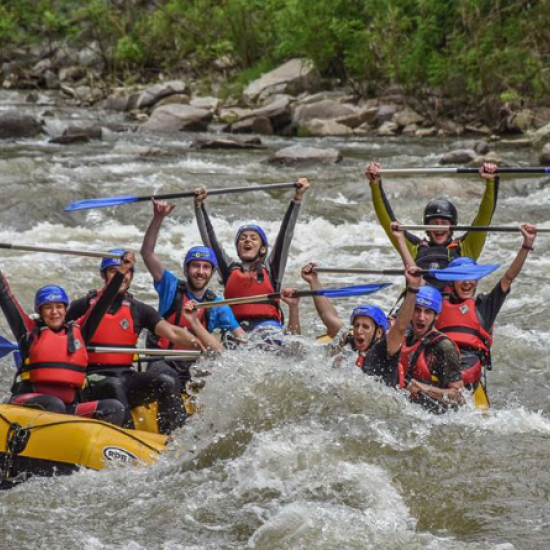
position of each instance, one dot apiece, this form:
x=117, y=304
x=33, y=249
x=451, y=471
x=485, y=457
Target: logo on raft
x=117, y=454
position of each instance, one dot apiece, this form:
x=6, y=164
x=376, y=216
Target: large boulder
x=277, y=113
x=542, y=135
x=520, y=122
x=545, y=155
x=14, y=124
x=460, y=156
x=321, y=128
x=407, y=117
x=253, y=125
x=294, y=77
x=388, y=129
x=226, y=142
x=322, y=110
x=211, y=103
x=175, y=118
x=91, y=57
x=298, y=154
x=155, y=93
x=481, y=147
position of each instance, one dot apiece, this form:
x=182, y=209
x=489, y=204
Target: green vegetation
x=468, y=49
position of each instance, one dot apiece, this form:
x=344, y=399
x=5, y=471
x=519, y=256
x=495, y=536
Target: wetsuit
x=433, y=360
x=428, y=255
x=111, y=374
x=48, y=378
x=469, y=323
x=264, y=278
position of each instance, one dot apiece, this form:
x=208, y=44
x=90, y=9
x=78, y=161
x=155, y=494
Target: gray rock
x=41, y=67
x=388, y=129
x=410, y=130
x=68, y=140
x=176, y=99
x=51, y=80
x=253, y=125
x=175, y=118
x=232, y=114
x=481, y=147
x=91, y=57
x=460, y=156
x=115, y=103
x=426, y=132
x=385, y=113
x=294, y=77
x=298, y=154
x=321, y=128
x=71, y=73
x=520, y=122
x=491, y=156
x=544, y=157
x=542, y=135
x=248, y=142
x=155, y=93
x=211, y=103
x=14, y=124
x=94, y=131
x=278, y=113
x=322, y=110
x=407, y=117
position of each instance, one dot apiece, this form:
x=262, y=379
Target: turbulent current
x=287, y=452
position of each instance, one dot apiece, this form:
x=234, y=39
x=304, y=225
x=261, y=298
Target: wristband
x=413, y=290
x=527, y=247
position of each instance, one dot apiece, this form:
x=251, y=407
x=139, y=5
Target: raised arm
x=293, y=325
x=20, y=323
x=472, y=243
x=529, y=233
x=396, y=334
x=208, y=341
x=323, y=305
x=208, y=236
x=152, y=261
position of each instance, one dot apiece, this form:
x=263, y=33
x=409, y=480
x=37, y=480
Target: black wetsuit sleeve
x=379, y=363
x=145, y=317
x=93, y=316
x=488, y=306
x=444, y=362
x=209, y=239
x=78, y=308
x=279, y=255
x=20, y=323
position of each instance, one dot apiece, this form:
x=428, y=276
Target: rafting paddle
x=458, y=273
x=146, y=351
x=52, y=250
x=527, y=171
x=344, y=292
x=6, y=347
x=475, y=228
x=118, y=201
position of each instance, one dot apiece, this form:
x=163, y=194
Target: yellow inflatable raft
x=34, y=442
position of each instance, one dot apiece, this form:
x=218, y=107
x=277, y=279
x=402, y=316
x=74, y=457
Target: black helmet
x=440, y=208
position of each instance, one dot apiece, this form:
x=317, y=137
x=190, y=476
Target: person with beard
x=468, y=319
x=199, y=266
x=255, y=272
x=376, y=344
x=111, y=374
x=429, y=364
x=439, y=248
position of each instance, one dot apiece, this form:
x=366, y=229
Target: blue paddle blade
x=6, y=347
x=99, y=203
x=464, y=272
x=357, y=290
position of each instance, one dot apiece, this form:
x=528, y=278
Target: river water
x=288, y=453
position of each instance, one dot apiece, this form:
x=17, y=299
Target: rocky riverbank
x=292, y=100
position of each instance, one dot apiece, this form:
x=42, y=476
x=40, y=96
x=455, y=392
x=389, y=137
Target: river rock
x=385, y=113
x=410, y=130
x=91, y=57
x=544, y=157
x=175, y=118
x=41, y=67
x=294, y=77
x=14, y=124
x=339, y=96
x=176, y=99
x=520, y=122
x=481, y=147
x=426, y=132
x=278, y=113
x=542, y=135
x=219, y=142
x=321, y=128
x=232, y=114
x=155, y=93
x=253, y=125
x=460, y=156
x=116, y=103
x=71, y=73
x=94, y=131
x=322, y=110
x=69, y=140
x=407, y=117
x=388, y=129
x=491, y=156
x=210, y=103
x=298, y=154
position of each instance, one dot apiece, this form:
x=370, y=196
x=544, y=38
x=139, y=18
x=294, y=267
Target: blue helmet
x=252, y=227
x=106, y=263
x=202, y=253
x=50, y=294
x=429, y=297
x=375, y=313
x=462, y=260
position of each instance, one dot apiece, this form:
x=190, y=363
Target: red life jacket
x=241, y=284
x=413, y=362
x=115, y=330
x=175, y=316
x=56, y=358
x=461, y=323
